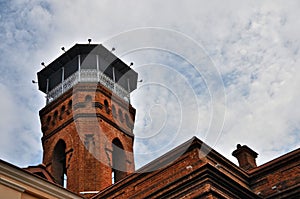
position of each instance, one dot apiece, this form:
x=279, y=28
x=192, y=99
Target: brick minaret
x=88, y=121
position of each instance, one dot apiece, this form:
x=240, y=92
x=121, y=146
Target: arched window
x=69, y=107
x=62, y=111
x=70, y=104
x=119, y=161
x=54, y=118
x=59, y=162
x=48, y=120
x=106, y=106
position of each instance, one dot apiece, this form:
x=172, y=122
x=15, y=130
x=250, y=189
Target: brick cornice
x=85, y=115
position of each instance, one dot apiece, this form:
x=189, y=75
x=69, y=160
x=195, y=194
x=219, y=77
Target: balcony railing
x=87, y=75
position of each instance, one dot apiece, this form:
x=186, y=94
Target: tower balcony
x=87, y=75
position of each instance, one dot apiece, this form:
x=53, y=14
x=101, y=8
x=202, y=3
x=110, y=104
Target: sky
x=226, y=72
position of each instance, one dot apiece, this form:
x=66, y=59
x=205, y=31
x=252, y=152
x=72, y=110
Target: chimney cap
x=244, y=148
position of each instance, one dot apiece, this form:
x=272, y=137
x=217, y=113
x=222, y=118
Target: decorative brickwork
x=194, y=175
x=83, y=120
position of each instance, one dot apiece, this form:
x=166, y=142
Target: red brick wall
x=276, y=177
x=187, y=176
x=87, y=127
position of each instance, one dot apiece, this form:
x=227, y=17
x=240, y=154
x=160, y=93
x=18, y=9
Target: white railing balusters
x=87, y=75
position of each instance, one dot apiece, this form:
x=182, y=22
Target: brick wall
x=278, y=176
x=88, y=118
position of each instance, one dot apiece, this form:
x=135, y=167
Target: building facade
x=198, y=174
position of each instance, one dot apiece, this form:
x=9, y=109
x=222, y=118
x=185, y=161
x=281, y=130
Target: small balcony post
x=97, y=61
x=79, y=68
x=47, y=91
x=114, y=77
x=62, y=79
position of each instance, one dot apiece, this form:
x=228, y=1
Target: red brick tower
x=88, y=121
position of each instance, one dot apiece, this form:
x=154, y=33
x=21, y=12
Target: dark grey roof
x=69, y=61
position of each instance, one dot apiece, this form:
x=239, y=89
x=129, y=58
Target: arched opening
x=106, y=106
x=62, y=111
x=59, y=170
x=54, y=118
x=48, y=120
x=70, y=104
x=119, y=161
x=69, y=107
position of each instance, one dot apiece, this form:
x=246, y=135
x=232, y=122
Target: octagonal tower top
x=87, y=63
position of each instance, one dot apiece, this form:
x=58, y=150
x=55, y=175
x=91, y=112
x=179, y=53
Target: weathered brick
x=82, y=117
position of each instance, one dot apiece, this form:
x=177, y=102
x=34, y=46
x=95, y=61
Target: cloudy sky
x=227, y=73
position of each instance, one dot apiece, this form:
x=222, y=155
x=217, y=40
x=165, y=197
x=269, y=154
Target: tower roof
x=90, y=57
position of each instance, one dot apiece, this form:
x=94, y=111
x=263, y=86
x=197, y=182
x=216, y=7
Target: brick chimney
x=245, y=156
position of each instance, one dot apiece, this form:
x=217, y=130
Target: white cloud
x=18, y=142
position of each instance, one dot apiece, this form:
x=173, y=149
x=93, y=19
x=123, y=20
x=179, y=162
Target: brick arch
x=68, y=141
x=106, y=106
x=55, y=117
x=67, y=138
x=59, y=161
x=62, y=112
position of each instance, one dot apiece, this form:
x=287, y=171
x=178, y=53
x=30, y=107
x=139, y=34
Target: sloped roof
x=180, y=171
x=41, y=171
